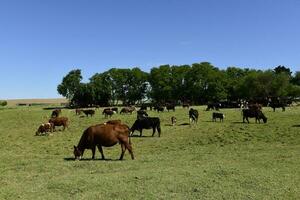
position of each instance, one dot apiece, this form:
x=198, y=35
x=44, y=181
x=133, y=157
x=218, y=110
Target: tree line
x=198, y=83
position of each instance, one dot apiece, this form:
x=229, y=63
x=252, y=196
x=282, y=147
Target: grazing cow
x=146, y=123
x=78, y=111
x=44, y=128
x=141, y=114
x=257, y=114
x=105, y=135
x=127, y=110
x=277, y=105
x=186, y=105
x=215, y=115
x=107, y=112
x=89, y=112
x=173, y=120
x=115, y=109
x=193, y=115
x=59, y=121
x=170, y=107
x=55, y=113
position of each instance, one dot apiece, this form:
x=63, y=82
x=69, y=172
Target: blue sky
x=41, y=41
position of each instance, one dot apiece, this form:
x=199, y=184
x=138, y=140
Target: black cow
x=213, y=106
x=170, y=107
x=277, y=105
x=147, y=123
x=141, y=114
x=159, y=108
x=257, y=114
x=215, y=115
x=115, y=109
x=107, y=112
x=89, y=112
x=193, y=115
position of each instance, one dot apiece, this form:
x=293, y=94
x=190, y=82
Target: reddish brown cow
x=106, y=135
x=44, y=128
x=59, y=121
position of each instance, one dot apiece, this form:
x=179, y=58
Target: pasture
x=208, y=160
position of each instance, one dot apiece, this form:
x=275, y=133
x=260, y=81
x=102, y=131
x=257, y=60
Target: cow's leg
x=101, y=151
x=283, y=108
x=247, y=120
x=153, y=128
x=141, y=132
x=128, y=146
x=93, y=152
x=123, y=150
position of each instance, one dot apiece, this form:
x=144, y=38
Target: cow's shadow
x=239, y=122
x=184, y=124
x=89, y=159
x=143, y=136
x=298, y=125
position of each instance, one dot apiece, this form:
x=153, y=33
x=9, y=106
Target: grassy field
x=210, y=160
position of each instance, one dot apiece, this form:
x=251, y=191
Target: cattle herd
x=114, y=131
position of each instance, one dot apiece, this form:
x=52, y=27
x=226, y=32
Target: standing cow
x=104, y=135
x=146, y=123
x=193, y=115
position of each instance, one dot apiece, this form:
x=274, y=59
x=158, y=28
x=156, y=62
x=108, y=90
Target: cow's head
x=77, y=153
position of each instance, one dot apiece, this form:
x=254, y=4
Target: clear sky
x=41, y=41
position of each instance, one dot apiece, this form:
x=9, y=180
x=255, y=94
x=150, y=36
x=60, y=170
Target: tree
x=282, y=69
x=70, y=84
x=3, y=103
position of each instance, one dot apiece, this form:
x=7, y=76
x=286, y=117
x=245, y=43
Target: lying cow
x=105, y=135
x=193, y=115
x=257, y=114
x=59, y=121
x=220, y=116
x=44, y=128
x=89, y=112
x=146, y=123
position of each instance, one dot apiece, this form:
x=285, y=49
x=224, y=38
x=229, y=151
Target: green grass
x=228, y=160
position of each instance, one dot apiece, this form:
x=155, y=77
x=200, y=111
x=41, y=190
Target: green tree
x=70, y=84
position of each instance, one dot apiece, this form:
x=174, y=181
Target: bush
x=3, y=103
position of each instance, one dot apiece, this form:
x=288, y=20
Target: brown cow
x=44, y=128
x=78, y=111
x=59, y=121
x=106, y=135
x=127, y=110
x=55, y=113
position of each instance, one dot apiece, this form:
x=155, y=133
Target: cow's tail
x=158, y=128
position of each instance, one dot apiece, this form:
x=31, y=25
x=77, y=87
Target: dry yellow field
x=13, y=102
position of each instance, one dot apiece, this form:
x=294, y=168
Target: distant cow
x=186, y=105
x=277, y=105
x=44, y=128
x=107, y=112
x=215, y=115
x=78, y=111
x=193, y=115
x=147, y=123
x=141, y=114
x=257, y=114
x=105, y=135
x=213, y=106
x=127, y=110
x=115, y=109
x=159, y=108
x=173, y=120
x=55, y=113
x=59, y=121
x=89, y=112
x=170, y=107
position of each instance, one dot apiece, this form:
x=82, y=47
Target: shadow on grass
x=89, y=159
x=298, y=125
x=240, y=123
x=143, y=136
x=184, y=124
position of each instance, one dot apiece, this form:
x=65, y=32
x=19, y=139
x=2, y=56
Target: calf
x=105, y=135
x=147, y=123
x=173, y=120
x=59, y=121
x=44, y=128
x=215, y=115
x=193, y=115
